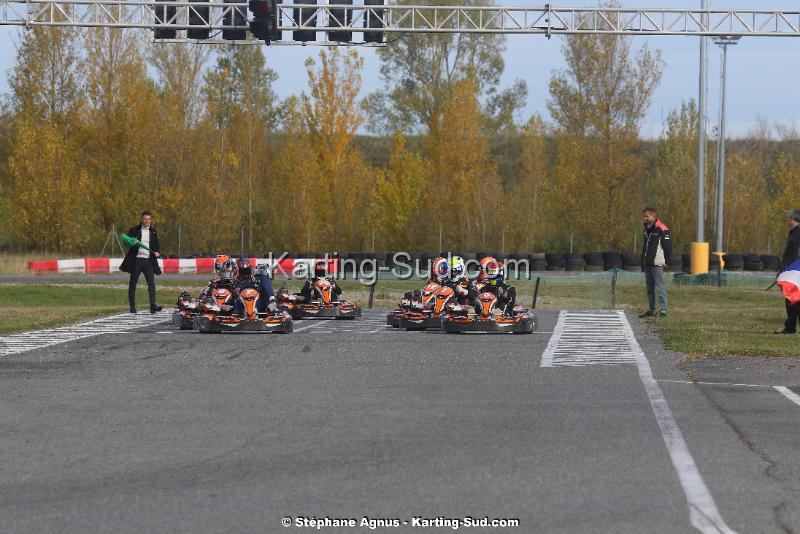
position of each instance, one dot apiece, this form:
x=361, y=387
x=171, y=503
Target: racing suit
x=307, y=292
x=506, y=295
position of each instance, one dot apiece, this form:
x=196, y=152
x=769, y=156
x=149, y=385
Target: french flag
x=789, y=282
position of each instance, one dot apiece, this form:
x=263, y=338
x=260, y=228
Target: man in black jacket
x=657, y=246
x=139, y=260
x=790, y=255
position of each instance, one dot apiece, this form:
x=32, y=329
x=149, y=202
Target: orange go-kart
x=185, y=311
x=419, y=300
x=324, y=303
x=430, y=316
x=218, y=314
x=485, y=317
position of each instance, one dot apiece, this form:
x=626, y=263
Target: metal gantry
x=543, y=20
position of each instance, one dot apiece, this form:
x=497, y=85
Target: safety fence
x=613, y=289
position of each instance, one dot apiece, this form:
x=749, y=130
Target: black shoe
x=154, y=309
x=784, y=332
x=662, y=314
x=133, y=310
x=648, y=313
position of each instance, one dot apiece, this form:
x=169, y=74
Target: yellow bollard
x=699, y=258
x=721, y=259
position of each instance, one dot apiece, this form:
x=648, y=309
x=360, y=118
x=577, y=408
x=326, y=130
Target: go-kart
x=323, y=304
x=431, y=315
x=218, y=314
x=185, y=311
x=419, y=300
x=485, y=317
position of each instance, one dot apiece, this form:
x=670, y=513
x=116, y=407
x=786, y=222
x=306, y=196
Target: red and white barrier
x=284, y=267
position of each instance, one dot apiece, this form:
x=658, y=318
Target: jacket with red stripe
x=657, y=245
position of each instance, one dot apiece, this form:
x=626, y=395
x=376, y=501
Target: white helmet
x=458, y=271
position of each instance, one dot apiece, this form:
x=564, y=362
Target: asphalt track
x=159, y=430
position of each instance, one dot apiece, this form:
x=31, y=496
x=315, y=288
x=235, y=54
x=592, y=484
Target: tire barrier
x=538, y=261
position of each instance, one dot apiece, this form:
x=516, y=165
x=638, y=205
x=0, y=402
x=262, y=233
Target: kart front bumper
x=524, y=324
x=208, y=325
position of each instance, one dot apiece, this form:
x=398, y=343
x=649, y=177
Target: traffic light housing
x=233, y=17
x=374, y=21
x=264, y=25
x=198, y=16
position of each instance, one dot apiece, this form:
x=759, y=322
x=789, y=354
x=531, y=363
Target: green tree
x=397, y=199
x=45, y=81
x=419, y=71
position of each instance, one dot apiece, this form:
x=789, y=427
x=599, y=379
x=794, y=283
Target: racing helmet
x=440, y=269
x=219, y=261
x=491, y=267
x=320, y=269
x=497, y=275
x=245, y=270
x=488, y=269
x=458, y=271
x=229, y=272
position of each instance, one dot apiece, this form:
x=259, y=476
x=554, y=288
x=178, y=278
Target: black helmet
x=320, y=271
x=245, y=270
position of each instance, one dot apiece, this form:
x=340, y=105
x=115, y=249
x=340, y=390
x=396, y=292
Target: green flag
x=129, y=241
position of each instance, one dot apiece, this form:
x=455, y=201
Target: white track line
x=788, y=393
x=318, y=323
x=547, y=357
x=703, y=511
x=114, y=324
x=716, y=383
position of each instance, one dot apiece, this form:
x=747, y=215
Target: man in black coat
x=139, y=260
x=790, y=255
x=656, y=248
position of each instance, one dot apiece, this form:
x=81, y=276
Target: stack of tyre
x=574, y=261
x=538, y=261
x=771, y=263
x=555, y=262
x=734, y=262
x=612, y=260
x=675, y=262
x=631, y=263
x=594, y=261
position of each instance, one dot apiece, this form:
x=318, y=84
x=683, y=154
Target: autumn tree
x=335, y=181
x=45, y=82
x=398, y=197
x=670, y=187
x=465, y=193
x=523, y=200
x=419, y=71
x=597, y=104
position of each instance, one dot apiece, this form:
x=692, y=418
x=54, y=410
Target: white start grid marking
x=114, y=324
x=588, y=338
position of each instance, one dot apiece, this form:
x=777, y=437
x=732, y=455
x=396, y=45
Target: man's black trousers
x=792, y=315
x=142, y=266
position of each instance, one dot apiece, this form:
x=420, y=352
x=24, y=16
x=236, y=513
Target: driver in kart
x=257, y=279
x=226, y=274
x=465, y=289
x=496, y=284
x=320, y=273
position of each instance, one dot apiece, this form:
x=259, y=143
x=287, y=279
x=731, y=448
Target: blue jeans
x=654, y=277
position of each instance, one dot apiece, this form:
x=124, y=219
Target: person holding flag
x=789, y=275
x=142, y=258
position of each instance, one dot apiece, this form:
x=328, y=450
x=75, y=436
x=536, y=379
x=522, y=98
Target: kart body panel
x=521, y=324
x=211, y=323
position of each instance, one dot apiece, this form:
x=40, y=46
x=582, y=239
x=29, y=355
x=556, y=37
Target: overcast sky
x=763, y=82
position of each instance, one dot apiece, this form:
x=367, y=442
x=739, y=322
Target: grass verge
x=720, y=322
x=702, y=321
x=32, y=306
